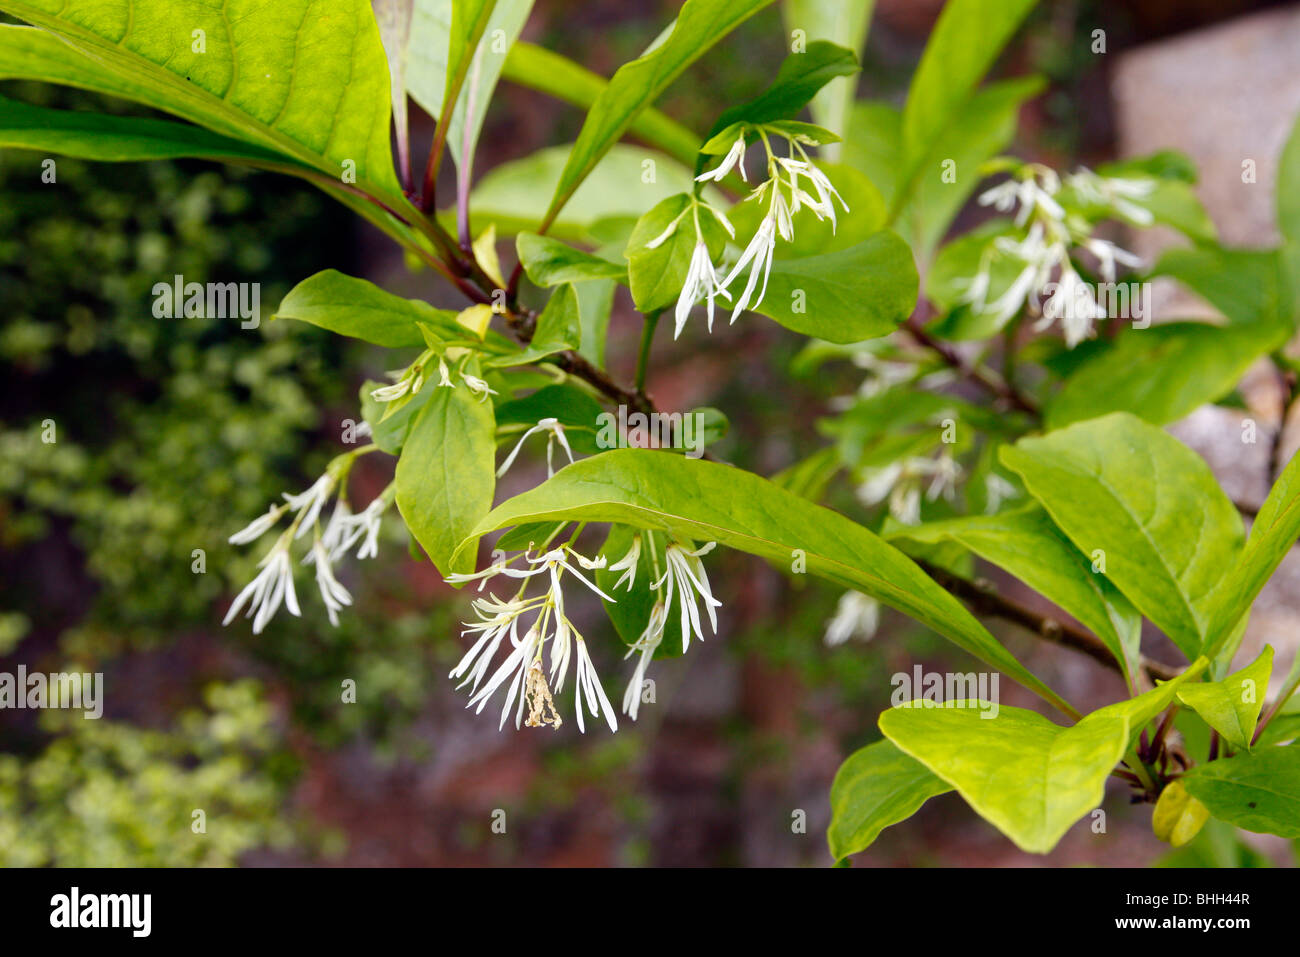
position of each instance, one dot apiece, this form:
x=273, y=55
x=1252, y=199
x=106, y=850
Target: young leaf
x=446, y=475
x=846, y=24
x=1028, y=777
x=704, y=501
x=1143, y=506
x=1178, y=817
x=1025, y=543
x=1231, y=706
x=799, y=78
x=549, y=262
x=875, y=787
x=319, y=93
x=1256, y=790
x=357, y=308
x=559, y=328
x=636, y=85
x=540, y=69
x=862, y=292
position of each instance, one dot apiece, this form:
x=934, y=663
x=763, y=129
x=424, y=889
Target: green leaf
x=540, y=69
x=799, y=78
x=706, y=501
x=285, y=76
x=1246, y=285
x=1028, y=777
x=967, y=39
x=1185, y=365
x=876, y=786
x=1149, y=504
x=845, y=24
x=549, y=262
x=657, y=274
x=559, y=328
x=1256, y=790
x=983, y=128
x=700, y=24
x=360, y=309
x=95, y=136
x=447, y=474
x=1026, y=544
x=1288, y=187
x=1231, y=706
x=513, y=195
x=1272, y=534
x=862, y=292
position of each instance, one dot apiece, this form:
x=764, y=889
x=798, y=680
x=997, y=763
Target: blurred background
x=171, y=434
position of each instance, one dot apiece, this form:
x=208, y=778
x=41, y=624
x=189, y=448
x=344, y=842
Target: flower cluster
x=901, y=483
x=1044, y=249
x=344, y=530
x=531, y=678
x=793, y=183
x=408, y=382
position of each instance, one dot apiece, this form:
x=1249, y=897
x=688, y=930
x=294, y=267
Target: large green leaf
x=1246, y=285
x=701, y=500
x=636, y=85
x=1184, y=365
x=862, y=292
x=1272, y=534
x=447, y=474
x=549, y=262
x=1231, y=706
x=305, y=78
x=1025, y=543
x=1028, y=777
x=1150, y=505
x=1256, y=790
x=875, y=787
x=967, y=39
x=95, y=136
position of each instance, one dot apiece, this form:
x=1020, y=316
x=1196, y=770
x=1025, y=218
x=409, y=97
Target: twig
x=979, y=374
x=984, y=600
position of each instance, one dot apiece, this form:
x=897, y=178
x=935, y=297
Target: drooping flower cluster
x=901, y=483
x=530, y=678
x=408, y=382
x=793, y=183
x=1044, y=251
x=345, y=530
x=856, y=614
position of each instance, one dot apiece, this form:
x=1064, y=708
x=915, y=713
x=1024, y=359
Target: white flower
x=587, y=684
x=444, y=375
x=556, y=432
x=1071, y=302
x=1108, y=254
x=735, y=156
x=997, y=491
x=273, y=584
x=521, y=671
x=309, y=503
x=478, y=386
x=336, y=534
x=686, y=576
x=332, y=593
x=1115, y=192
x=759, y=253
x=646, y=645
x=701, y=280
x=856, y=614
x=258, y=526
x=627, y=565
